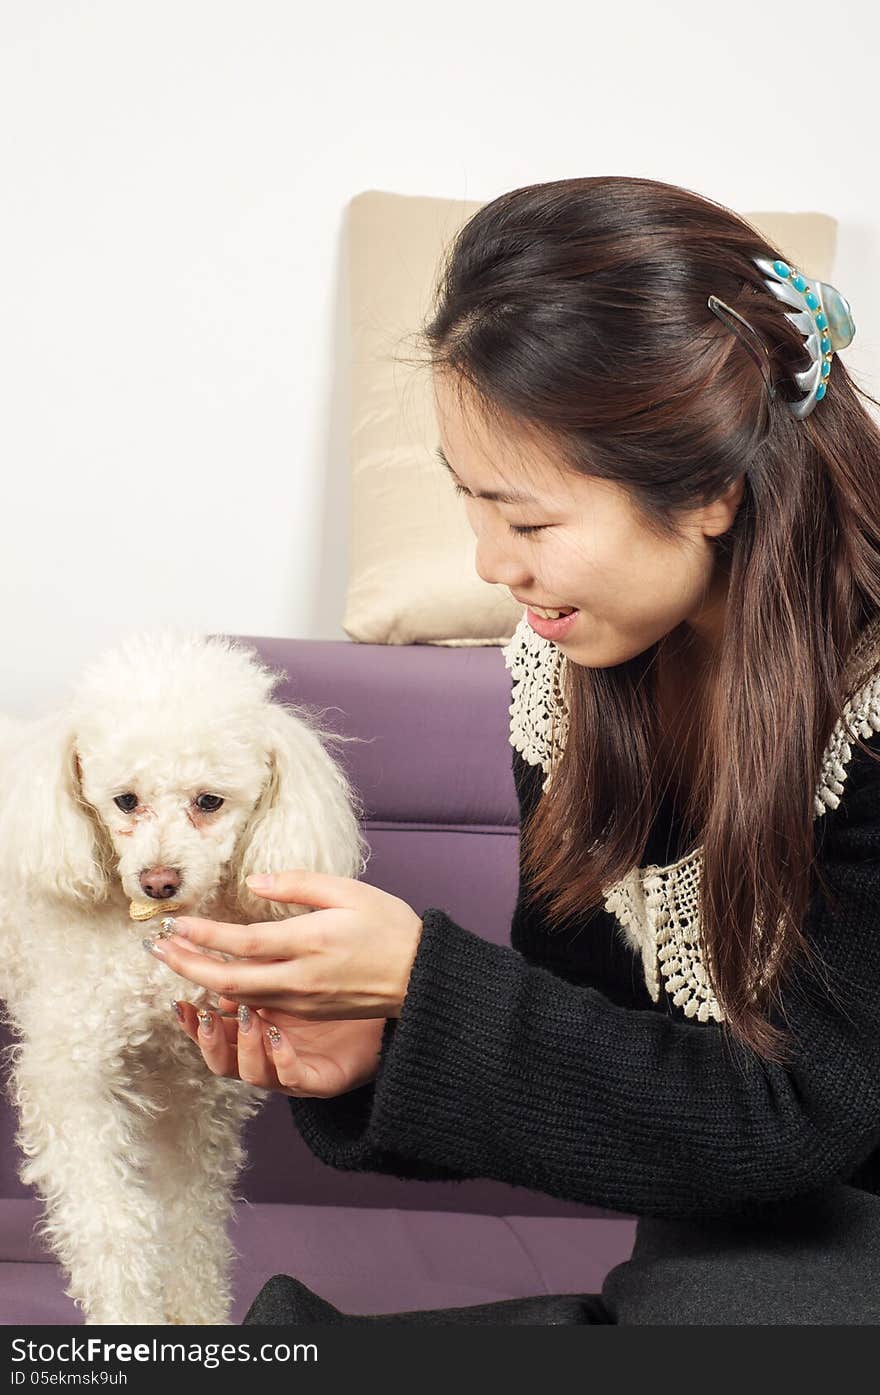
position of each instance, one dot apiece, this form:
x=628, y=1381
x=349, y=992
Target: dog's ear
x=58, y=846
x=308, y=814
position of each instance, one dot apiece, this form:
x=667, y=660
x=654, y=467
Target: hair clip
x=724, y=312
x=823, y=316
x=825, y=319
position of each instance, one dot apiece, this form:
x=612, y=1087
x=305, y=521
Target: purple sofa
x=433, y=768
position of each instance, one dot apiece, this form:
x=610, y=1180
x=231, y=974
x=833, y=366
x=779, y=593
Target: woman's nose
x=493, y=566
x=160, y=882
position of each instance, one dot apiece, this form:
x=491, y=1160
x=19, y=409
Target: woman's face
x=589, y=548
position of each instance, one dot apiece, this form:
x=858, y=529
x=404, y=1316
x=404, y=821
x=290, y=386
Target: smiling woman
x=585, y=548
x=552, y=621
x=640, y=521
x=685, y=1025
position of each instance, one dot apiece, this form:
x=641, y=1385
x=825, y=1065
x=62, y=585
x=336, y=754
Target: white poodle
x=171, y=773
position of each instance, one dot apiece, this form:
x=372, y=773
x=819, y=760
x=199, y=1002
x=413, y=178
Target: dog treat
x=145, y=910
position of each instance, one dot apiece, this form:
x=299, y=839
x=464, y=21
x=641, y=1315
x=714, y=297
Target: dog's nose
x=160, y=882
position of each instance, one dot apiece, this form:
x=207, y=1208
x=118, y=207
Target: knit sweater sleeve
x=498, y=1067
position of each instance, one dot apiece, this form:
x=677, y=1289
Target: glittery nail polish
x=274, y=1036
x=244, y=1017
x=206, y=1021
x=178, y=1009
x=153, y=947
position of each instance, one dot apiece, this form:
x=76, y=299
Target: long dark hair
x=578, y=309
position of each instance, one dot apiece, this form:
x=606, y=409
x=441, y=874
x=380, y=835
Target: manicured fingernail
x=261, y=882
x=154, y=948
x=178, y=1009
x=244, y=1017
x=168, y=926
x=206, y=1021
x=274, y=1036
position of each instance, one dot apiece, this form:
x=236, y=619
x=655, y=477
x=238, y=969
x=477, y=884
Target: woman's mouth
x=549, y=628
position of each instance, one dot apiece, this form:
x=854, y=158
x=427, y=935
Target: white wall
x=174, y=175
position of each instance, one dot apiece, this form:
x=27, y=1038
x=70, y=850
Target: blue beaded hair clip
x=823, y=316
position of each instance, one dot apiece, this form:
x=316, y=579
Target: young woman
x=643, y=438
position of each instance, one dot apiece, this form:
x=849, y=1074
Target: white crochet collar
x=657, y=908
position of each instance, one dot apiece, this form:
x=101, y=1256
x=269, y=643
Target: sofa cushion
x=360, y=1259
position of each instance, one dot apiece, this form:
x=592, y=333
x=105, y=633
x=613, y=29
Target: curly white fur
x=132, y=1143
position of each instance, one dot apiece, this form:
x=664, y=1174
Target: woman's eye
x=520, y=531
x=126, y=802
x=208, y=803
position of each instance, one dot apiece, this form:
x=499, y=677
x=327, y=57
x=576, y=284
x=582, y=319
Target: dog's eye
x=208, y=803
x=126, y=802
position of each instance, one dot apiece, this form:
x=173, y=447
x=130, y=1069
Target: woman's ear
x=308, y=814
x=51, y=836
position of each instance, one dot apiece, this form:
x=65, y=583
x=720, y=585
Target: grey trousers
x=811, y=1261
x=816, y=1260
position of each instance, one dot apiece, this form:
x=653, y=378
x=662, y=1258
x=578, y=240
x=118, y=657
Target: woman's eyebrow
x=489, y=494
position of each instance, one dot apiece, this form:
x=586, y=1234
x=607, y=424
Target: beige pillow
x=411, y=573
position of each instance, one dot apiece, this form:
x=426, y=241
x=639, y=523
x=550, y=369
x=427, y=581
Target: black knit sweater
x=547, y=1064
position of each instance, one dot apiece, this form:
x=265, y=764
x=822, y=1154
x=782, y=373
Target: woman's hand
x=351, y=959
x=306, y=1059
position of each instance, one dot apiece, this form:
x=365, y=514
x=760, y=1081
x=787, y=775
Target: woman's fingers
x=183, y=1017
x=228, y=1005
x=264, y=940
x=239, y=978
x=305, y=888
x=313, y=1060
x=215, y=1038
x=254, y=1053
x=187, y=1015
x=245, y=1047
x=290, y=1072
x=296, y=1075
x=265, y=1050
